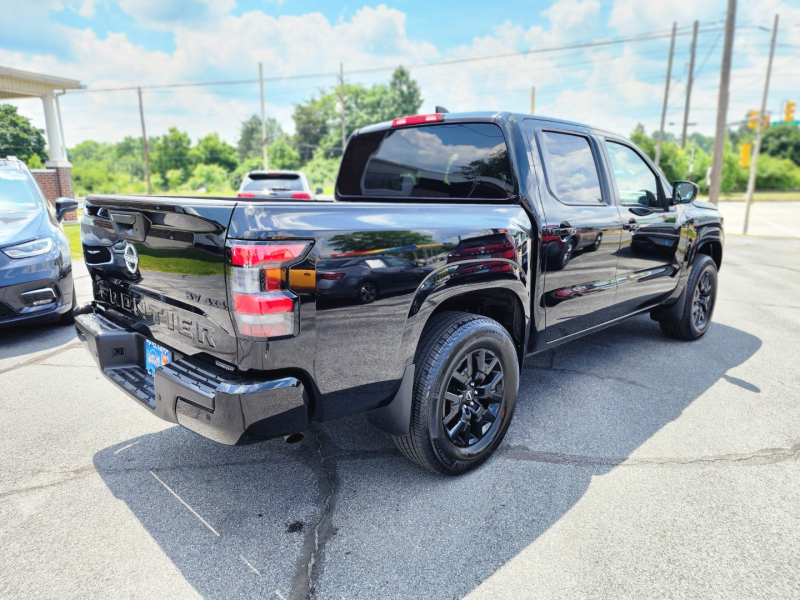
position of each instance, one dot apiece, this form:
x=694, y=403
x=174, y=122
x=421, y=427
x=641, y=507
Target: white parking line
x=193, y=511
x=125, y=447
x=252, y=568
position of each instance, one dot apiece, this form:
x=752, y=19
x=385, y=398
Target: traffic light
x=744, y=155
x=788, y=111
x=766, y=122
x=752, y=119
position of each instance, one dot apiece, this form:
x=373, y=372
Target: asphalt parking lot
x=636, y=466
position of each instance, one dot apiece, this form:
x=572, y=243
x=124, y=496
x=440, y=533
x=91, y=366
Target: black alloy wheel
x=466, y=378
x=473, y=398
x=367, y=293
x=698, y=308
x=703, y=301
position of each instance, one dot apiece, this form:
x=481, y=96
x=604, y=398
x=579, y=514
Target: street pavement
x=779, y=219
x=636, y=466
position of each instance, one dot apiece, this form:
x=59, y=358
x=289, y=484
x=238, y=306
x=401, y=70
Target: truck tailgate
x=159, y=262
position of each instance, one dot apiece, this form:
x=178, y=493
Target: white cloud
x=168, y=14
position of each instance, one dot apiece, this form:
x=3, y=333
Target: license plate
x=155, y=356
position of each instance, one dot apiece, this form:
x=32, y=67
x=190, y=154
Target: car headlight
x=34, y=248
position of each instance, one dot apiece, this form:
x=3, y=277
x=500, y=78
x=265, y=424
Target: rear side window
x=572, y=172
x=278, y=182
x=458, y=161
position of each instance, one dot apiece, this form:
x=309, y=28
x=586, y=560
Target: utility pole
x=666, y=97
x=341, y=100
x=689, y=83
x=263, y=119
x=691, y=161
x=144, y=146
x=762, y=118
x=722, y=105
x=533, y=99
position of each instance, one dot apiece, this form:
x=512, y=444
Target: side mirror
x=65, y=205
x=684, y=192
x=318, y=190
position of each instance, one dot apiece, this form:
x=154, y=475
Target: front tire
x=68, y=318
x=465, y=389
x=698, y=308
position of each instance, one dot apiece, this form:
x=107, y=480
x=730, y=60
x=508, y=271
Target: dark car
x=365, y=278
x=218, y=318
x=35, y=263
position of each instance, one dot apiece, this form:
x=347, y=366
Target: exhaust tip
x=293, y=438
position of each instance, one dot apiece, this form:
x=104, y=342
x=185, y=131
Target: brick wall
x=56, y=183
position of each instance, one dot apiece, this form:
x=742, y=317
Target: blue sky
x=118, y=43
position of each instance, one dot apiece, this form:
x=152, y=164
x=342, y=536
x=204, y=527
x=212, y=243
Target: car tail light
x=417, y=119
x=301, y=196
x=263, y=305
x=330, y=275
x=245, y=195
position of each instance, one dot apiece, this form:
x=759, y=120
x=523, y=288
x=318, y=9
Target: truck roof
x=485, y=116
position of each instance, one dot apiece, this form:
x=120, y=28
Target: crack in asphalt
x=39, y=359
x=579, y=372
x=303, y=585
x=68, y=476
x=762, y=456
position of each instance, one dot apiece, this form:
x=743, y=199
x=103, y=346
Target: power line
x=656, y=35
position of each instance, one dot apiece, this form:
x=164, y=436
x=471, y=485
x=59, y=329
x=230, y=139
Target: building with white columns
x=56, y=179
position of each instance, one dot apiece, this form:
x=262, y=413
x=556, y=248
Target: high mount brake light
x=263, y=306
x=417, y=119
x=301, y=196
x=245, y=195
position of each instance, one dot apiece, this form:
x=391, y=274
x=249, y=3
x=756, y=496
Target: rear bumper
x=208, y=401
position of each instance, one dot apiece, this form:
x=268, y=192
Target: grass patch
x=74, y=236
x=190, y=261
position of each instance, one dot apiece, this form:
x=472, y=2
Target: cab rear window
x=461, y=161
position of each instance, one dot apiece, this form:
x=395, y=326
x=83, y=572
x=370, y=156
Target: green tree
x=283, y=156
x=171, y=152
x=312, y=122
x=18, y=137
x=249, y=144
x=782, y=141
x=404, y=95
x=210, y=150
x=211, y=178
x=318, y=122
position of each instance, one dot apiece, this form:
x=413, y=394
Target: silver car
x=291, y=185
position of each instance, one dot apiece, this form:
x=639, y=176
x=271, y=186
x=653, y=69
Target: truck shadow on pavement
x=344, y=515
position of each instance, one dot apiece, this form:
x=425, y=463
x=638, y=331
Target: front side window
x=464, y=161
x=572, y=171
x=636, y=183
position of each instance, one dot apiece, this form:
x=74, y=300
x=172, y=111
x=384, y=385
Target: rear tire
x=698, y=308
x=465, y=390
x=367, y=293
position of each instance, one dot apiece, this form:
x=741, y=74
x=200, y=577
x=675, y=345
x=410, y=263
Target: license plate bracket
x=155, y=356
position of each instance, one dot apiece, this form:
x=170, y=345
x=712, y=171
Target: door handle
x=562, y=231
x=631, y=225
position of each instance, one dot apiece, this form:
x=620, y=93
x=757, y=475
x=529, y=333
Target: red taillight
x=330, y=275
x=263, y=306
x=245, y=195
x=252, y=255
x=417, y=119
x=301, y=196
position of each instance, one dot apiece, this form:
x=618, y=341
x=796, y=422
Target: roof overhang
x=24, y=84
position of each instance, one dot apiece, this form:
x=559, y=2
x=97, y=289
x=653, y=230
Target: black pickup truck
x=458, y=245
